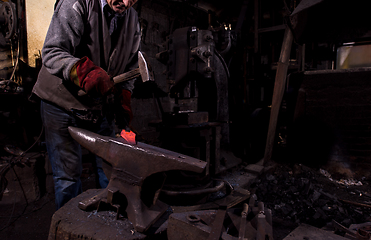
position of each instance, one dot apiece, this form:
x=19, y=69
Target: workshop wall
x=39, y=14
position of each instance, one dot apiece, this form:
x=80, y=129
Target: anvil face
x=140, y=159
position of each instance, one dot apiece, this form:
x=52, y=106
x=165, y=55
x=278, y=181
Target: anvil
x=131, y=165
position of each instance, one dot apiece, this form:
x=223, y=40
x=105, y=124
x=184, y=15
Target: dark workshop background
x=215, y=65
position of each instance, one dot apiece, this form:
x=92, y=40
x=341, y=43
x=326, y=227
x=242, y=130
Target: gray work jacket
x=78, y=28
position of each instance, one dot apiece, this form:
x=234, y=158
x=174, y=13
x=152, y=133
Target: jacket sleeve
x=64, y=34
x=133, y=59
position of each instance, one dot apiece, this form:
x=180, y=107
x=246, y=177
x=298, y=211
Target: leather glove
x=123, y=113
x=93, y=79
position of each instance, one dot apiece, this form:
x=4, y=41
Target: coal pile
x=299, y=194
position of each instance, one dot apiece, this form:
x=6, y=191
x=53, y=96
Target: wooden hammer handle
x=126, y=76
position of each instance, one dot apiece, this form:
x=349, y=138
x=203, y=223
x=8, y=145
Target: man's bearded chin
x=122, y=6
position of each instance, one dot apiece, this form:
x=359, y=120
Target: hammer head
x=145, y=68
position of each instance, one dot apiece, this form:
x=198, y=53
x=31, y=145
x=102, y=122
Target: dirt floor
x=295, y=194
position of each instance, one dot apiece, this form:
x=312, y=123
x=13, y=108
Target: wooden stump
x=70, y=222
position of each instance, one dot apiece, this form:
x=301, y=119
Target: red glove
x=123, y=112
x=126, y=104
x=93, y=79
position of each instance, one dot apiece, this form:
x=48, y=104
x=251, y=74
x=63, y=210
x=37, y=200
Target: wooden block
x=254, y=168
x=308, y=232
x=70, y=222
x=237, y=196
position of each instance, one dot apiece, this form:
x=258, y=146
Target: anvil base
x=70, y=222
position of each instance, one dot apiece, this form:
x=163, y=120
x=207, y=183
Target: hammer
x=144, y=70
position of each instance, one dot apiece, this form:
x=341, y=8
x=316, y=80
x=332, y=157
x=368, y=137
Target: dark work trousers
x=65, y=153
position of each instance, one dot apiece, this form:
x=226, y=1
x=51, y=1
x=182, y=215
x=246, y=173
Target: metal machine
x=197, y=78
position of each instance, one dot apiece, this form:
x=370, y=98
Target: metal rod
x=279, y=89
